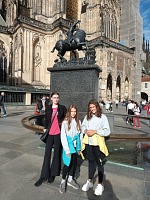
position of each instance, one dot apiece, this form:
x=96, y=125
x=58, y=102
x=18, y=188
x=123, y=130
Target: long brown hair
x=69, y=118
x=98, y=108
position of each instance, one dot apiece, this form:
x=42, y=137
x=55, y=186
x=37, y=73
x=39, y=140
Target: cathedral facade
x=29, y=30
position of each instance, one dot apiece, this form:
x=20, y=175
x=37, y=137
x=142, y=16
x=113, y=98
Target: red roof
x=145, y=79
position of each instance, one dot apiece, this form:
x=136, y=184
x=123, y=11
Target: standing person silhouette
x=95, y=126
x=51, y=167
x=2, y=104
x=70, y=139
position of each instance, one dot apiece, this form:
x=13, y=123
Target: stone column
x=62, y=6
x=43, y=7
x=122, y=91
x=24, y=50
x=28, y=99
x=114, y=89
x=27, y=51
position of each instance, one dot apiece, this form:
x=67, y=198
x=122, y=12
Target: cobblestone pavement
x=21, y=158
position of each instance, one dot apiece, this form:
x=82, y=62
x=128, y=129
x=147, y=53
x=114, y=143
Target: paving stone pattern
x=21, y=160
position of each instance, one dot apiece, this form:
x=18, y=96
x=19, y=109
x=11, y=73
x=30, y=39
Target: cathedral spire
x=146, y=45
x=143, y=45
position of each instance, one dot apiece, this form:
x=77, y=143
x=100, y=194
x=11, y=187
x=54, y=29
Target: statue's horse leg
x=61, y=53
x=75, y=55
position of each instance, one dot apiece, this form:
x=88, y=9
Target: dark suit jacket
x=48, y=114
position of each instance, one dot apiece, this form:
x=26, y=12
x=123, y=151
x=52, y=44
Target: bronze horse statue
x=75, y=41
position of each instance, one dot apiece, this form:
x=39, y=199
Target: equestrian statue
x=75, y=41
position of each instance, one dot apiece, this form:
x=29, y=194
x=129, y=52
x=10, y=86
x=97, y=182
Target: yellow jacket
x=97, y=140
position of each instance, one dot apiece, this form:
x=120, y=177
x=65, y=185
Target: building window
x=146, y=84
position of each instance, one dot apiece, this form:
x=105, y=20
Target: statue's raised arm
x=70, y=32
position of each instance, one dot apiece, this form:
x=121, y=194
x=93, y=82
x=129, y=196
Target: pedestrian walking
x=71, y=143
x=147, y=108
x=107, y=106
x=38, y=110
x=51, y=167
x=38, y=106
x=117, y=103
x=143, y=103
x=2, y=104
x=110, y=105
x=130, y=108
x=47, y=101
x=43, y=103
x=136, y=111
x=95, y=126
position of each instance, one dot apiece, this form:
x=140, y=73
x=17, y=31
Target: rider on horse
x=71, y=31
x=74, y=41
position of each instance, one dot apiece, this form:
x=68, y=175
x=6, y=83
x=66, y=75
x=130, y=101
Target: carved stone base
x=77, y=84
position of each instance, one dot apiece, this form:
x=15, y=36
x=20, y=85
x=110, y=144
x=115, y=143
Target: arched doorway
x=3, y=63
x=109, y=86
x=144, y=96
x=118, y=88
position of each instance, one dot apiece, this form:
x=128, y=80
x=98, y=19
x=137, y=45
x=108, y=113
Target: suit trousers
x=52, y=166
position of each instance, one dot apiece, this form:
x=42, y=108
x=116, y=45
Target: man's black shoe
x=51, y=179
x=40, y=181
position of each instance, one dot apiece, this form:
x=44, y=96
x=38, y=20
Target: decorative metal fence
x=17, y=95
x=15, y=98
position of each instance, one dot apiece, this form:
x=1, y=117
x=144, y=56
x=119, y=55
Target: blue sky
x=145, y=13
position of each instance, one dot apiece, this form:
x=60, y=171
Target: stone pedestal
x=77, y=84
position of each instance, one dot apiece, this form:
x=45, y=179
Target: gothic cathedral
x=29, y=30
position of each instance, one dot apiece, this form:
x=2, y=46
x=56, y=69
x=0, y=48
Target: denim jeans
x=3, y=109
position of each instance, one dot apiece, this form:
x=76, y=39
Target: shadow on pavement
x=108, y=193
x=13, y=114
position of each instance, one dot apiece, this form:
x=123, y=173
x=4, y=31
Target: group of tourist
x=109, y=104
x=134, y=111
x=69, y=137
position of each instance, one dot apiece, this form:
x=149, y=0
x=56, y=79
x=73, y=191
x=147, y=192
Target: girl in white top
x=70, y=139
x=95, y=126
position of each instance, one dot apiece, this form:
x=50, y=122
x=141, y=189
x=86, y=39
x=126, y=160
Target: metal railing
x=17, y=95
x=14, y=98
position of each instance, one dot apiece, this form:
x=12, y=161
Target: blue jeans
x=3, y=109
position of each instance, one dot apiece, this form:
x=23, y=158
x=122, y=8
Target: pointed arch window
x=3, y=63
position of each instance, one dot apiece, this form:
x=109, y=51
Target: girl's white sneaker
x=87, y=186
x=99, y=190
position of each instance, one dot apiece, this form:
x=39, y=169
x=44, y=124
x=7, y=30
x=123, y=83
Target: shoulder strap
x=52, y=120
